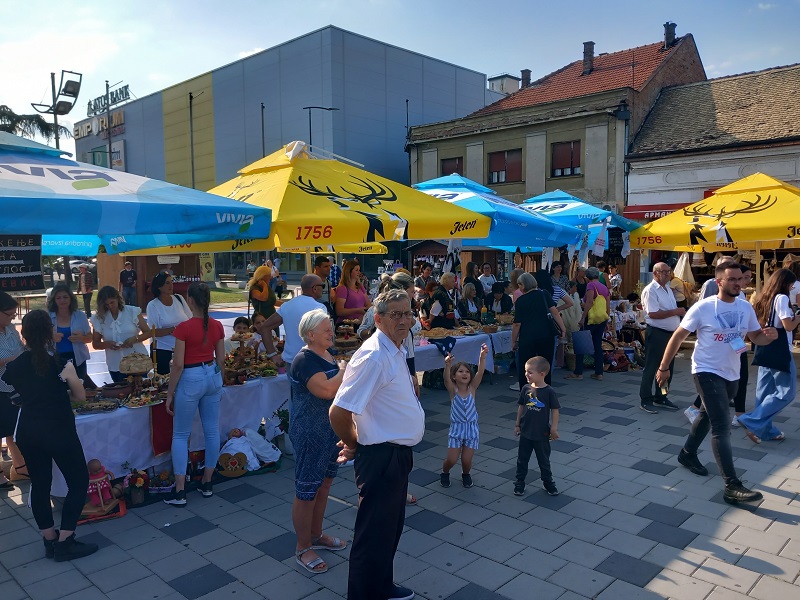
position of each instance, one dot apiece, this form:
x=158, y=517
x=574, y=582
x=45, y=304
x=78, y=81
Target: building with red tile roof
x=567, y=130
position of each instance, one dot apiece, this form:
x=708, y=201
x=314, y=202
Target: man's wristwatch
x=271, y=354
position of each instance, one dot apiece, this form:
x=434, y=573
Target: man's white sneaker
x=514, y=387
x=735, y=421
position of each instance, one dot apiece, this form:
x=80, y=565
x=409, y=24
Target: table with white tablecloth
x=467, y=348
x=123, y=436
x=501, y=341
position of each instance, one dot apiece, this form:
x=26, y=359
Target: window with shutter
x=505, y=166
x=452, y=166
x=566, y=159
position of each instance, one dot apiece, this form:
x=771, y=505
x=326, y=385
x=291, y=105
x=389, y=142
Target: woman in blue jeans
x=195, y=382
x=775, y=389
x=594, y=291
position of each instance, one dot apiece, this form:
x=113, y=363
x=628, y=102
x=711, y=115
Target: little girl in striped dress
x=462, y=439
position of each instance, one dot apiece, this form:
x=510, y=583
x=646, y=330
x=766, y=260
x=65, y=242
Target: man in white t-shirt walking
x=289, y=314
x=720, y=322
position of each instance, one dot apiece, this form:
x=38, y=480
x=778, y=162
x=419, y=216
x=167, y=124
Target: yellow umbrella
x=752, y=213
x=373, y=248
x=318, y=201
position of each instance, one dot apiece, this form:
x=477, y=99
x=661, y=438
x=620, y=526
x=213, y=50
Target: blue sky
x=150, y=45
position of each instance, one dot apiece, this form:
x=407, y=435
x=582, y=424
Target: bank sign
x=101, y=103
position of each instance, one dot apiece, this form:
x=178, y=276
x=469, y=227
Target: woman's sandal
x=15, y=475
x=335, y=547
x=310, y=566
x=751, y=436
x=597, y=377
x=573, y=376
x=778, y=438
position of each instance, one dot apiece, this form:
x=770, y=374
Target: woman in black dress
x=531, y=334
x=46, y=433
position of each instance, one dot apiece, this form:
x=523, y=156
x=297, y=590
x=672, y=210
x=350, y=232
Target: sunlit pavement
x=629, y=523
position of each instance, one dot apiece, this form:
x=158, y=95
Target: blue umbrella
x=74, y=204
x=561, y=207
x=511, y=226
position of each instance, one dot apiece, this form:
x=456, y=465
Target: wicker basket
x=490, y=329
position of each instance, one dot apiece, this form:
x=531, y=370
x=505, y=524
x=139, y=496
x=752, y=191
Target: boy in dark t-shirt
x=537, y=404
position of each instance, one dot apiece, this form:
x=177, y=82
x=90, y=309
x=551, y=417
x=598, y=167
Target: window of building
x=453, y=165
x=566, y=159
x=505, y=166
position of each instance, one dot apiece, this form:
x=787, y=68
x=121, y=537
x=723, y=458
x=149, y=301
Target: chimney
x=526, y=78
x=669, y=34
x=588, y=57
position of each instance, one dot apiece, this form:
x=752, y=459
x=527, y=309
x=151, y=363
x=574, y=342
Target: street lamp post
x=309, y=108
x=64, y=100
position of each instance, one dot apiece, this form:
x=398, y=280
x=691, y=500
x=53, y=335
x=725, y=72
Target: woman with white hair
x=315, y=378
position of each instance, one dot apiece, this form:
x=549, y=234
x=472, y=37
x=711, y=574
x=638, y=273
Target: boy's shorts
x=457, y=442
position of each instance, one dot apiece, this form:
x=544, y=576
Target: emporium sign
x=101, y=103
x=99, y=126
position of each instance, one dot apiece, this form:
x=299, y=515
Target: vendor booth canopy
x=369, y=248
x=511, y=226
x=564, y=208
x=78, y=207
x=324, y=201
x=757, y=212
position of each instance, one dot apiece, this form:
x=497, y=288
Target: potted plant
x=136, y=485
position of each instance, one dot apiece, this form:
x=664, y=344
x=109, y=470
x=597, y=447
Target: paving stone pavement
x=630, y=523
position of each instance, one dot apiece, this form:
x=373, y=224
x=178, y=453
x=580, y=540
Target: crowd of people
x=368, y=410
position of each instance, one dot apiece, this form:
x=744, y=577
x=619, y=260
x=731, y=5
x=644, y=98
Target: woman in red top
x=195, y=381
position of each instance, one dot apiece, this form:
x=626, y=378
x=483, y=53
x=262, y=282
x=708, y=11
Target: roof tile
x=627, y=68
x=751, y=107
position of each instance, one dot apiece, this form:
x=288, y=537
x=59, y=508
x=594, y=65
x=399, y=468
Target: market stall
x=467, y=348
x=122, y=436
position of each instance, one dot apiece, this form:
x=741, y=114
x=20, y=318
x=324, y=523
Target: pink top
x=353, y=299
x=598, y=288
x=517, y=293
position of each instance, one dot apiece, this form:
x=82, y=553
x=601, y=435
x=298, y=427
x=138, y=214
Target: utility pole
x=108, y=124
x=263, y=144
x=191, y=135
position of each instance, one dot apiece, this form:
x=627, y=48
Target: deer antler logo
x=722, y=216
x=374, y=193
x=368, y=196
x=750, y=207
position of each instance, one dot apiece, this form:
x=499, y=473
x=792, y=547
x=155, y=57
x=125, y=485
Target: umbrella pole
x=758, y=267
x=308, y=260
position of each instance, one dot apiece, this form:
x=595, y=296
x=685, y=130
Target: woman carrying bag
x=595, y=316
x=777, y=382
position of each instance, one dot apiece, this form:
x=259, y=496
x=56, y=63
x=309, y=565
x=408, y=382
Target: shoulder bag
x=597, y=313
x=555, y=330
x=775, y=355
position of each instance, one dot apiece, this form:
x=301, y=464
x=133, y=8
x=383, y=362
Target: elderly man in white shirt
x=378, y=417
x=663, y=317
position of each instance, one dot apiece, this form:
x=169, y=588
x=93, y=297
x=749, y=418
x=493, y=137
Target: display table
x=123, y=436
x=467, y=349
x=501, y=341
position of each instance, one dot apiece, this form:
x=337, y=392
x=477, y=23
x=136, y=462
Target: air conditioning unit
x=610, y=207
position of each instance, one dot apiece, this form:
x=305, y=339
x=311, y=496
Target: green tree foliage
x=29, y=125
